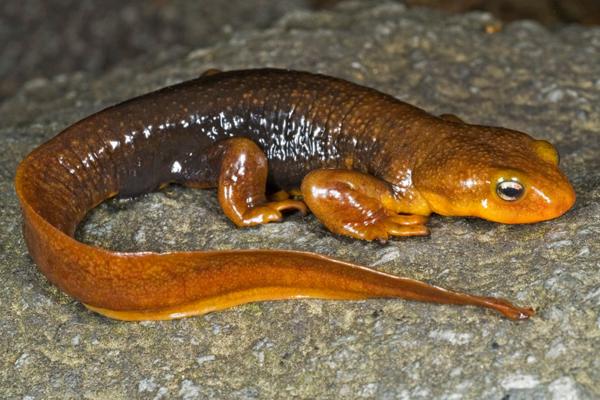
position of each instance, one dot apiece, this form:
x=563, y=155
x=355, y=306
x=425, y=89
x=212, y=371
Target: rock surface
x=42, y=39
x=524, y=77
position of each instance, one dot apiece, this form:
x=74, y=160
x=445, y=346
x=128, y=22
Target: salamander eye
x=510, y=190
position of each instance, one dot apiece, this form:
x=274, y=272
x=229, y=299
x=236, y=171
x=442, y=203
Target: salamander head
x=496, y=174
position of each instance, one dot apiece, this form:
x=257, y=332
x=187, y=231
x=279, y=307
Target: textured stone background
x=525, y=77
x=41, y=39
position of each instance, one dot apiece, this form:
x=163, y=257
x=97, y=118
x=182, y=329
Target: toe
x=261, y=215
x=408, y=219
x=407, y=230
x=286, y=205
x=279, y=196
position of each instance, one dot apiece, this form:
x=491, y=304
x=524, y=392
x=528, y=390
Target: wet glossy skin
x=368, y=166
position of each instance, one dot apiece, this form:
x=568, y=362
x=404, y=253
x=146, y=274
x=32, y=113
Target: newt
x=366, y=164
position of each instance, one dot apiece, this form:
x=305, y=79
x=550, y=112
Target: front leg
x=358, y=205
x=242, y=184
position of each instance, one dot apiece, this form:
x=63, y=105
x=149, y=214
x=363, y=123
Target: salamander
x=366, y=164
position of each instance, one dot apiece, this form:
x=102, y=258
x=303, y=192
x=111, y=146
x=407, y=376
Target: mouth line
x=526, y=217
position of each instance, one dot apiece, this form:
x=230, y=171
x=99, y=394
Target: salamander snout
x=518, y=197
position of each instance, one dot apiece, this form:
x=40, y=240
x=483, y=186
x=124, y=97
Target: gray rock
x=524, y=77
x=46, y=38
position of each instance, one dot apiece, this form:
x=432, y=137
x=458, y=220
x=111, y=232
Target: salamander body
x=366, y=164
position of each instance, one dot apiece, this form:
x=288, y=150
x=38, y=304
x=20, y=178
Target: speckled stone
x=41, y=39
x=524, y=77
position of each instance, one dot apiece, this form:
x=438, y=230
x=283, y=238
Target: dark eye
x=510, y=190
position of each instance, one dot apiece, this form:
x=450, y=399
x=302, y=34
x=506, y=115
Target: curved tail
x=56, y=188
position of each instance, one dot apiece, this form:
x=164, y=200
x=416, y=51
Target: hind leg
x=358, y=205
x=242, y=183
